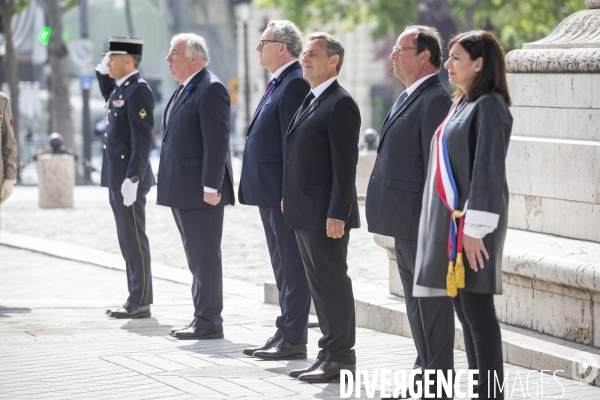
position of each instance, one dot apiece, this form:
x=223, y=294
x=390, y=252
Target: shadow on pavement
x=147, y=327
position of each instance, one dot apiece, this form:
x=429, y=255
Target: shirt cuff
x=338, y=220
x=477, y=231
x=209, y=190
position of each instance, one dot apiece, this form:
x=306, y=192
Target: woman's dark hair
x=492, y=77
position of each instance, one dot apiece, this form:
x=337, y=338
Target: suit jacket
x=396, y=186
x=195, y=145
x=128, y=137
x=8, y=143
x=261, y=182
x=320, y=173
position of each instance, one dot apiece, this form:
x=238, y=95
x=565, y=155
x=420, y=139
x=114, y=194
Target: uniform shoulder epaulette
x=141, y=80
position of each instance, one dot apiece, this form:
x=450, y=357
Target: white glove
x=129, y=192
x=103, y=67
x=6, y=189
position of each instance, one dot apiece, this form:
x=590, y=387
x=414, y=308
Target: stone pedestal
x=56, y=180
x=364, y=168
x=551, y=283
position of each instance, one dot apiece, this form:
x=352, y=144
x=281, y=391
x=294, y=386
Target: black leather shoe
x=295, y=373
x=283, y=351
x=179, y=329
x=129, y=310
x=270, y=343
x=193, y=333
x=327, y=372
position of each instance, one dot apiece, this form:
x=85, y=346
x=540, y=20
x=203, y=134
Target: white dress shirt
x=281, y=69
x=321, y=88
x=123, y=79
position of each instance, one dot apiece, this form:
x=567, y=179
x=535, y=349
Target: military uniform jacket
x=320, y=171
x=477, y=140
x=261, y=182
x=396, y=186
x=128, y=137
x=195, y=147
x=8, y=156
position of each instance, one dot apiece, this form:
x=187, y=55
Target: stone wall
x=551, y=264
x=553, y=163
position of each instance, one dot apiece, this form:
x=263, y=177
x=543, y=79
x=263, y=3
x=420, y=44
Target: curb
x=383, y=312
x=375, y=309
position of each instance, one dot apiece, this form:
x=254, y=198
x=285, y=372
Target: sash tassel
x=448, y=192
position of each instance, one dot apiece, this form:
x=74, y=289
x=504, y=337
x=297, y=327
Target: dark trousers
x=324, y=259
x=483, y=342
x=201, y=231
x=294, y=294
x=131, y=231
x=431, y=319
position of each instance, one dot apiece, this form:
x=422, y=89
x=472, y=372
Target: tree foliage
x=512, y=21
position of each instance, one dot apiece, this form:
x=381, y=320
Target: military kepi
x=121, y=45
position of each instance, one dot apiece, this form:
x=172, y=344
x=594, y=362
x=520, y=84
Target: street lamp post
x=242, y=13
x=85, y=94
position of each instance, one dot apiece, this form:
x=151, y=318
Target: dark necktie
x=177, y=92
x=399, y=102
x=269, y=86
x=306, y=103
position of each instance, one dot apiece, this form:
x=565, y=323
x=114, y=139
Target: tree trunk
x=59, y=104
x=470, y=14
x=8, y=10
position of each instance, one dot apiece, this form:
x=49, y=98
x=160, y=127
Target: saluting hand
x=212, y=198
x=335, y=228
x=475, y=251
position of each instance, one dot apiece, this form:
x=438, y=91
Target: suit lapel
x=185, y=93
x=389, y=119
x=309, y=110
x=272, y=89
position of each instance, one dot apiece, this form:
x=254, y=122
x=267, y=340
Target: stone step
x=380, y=311
x=551, y=285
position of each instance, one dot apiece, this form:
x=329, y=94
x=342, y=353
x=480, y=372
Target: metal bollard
x=371, y=138
x=56, y=173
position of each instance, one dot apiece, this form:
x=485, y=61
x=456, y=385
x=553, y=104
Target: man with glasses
x=395, y=189
x=261, y=184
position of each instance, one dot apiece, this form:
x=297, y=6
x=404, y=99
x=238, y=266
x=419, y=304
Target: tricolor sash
x=446, y=189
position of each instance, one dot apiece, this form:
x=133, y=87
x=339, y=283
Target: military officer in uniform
x=126, y=168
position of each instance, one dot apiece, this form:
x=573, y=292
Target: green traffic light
x=44, y=35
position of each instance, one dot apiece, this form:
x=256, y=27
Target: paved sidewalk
x=244, y=248
x=55, y=342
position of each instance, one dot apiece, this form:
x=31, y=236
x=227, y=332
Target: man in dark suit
x=261, y=184
x=126, y=169
x=319, y=201
x=396, y=186
x=194, y=176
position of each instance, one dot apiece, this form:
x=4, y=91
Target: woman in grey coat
x=465, y=205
